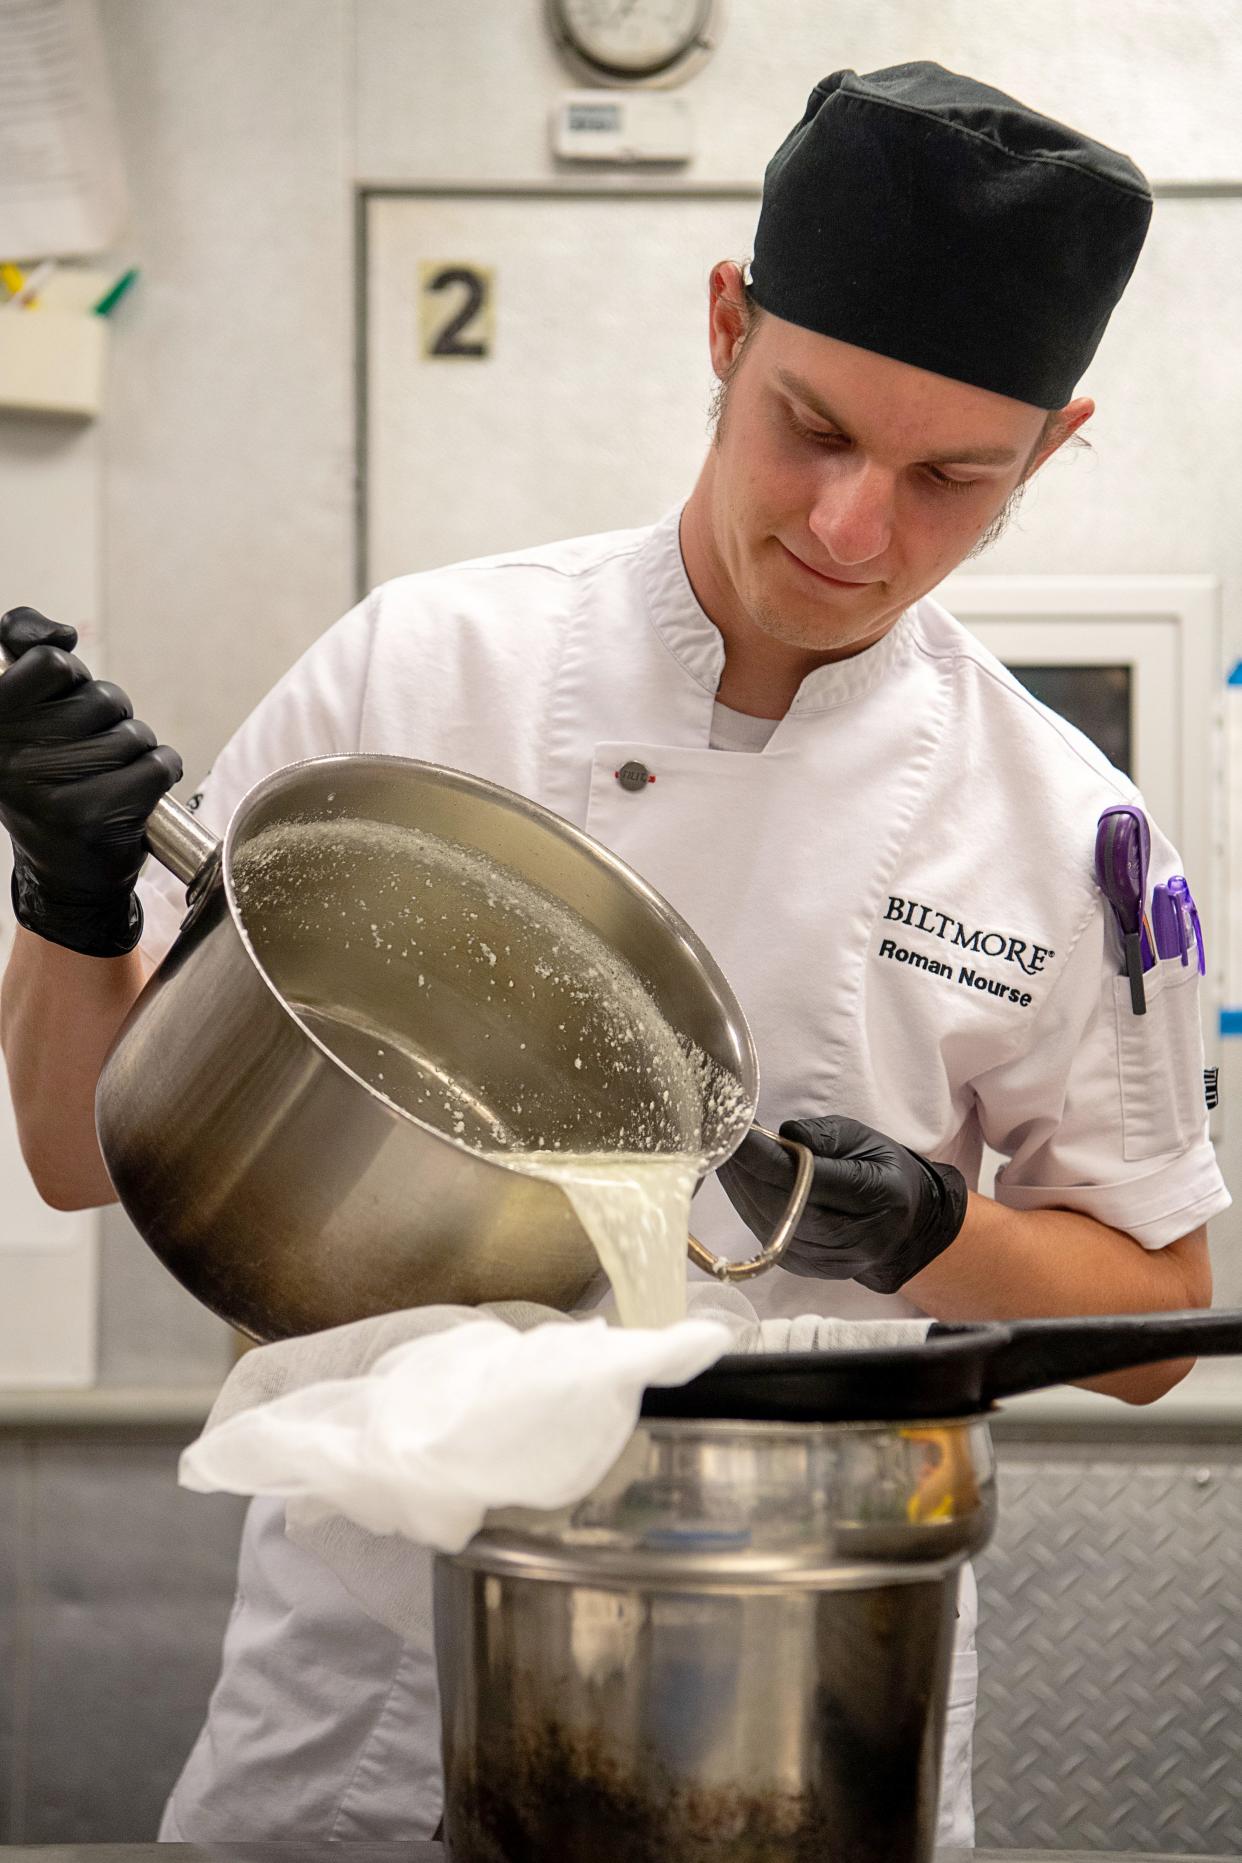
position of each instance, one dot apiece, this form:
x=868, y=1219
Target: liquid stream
x=635, y=1208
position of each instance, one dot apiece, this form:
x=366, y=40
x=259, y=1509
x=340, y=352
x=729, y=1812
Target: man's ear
x=1066, y=424
x=726, y=316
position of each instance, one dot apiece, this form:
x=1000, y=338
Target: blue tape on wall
x=1235, y=677
x=1231, y=1019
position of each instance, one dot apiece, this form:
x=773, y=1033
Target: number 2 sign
x=455, y=309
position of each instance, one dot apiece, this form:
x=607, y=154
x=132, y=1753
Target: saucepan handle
x=183, y=845
x=177, y=841
x=771, y=1253
x=1036, y=1353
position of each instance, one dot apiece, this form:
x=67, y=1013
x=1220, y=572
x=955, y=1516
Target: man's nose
x=853, y=514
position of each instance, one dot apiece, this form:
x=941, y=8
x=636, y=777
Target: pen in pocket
x=1176, y=928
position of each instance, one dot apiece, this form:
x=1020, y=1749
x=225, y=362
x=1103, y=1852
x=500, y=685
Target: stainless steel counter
x=1205, y=1406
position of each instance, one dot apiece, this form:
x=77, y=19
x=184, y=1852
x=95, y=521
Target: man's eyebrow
x=969, y=456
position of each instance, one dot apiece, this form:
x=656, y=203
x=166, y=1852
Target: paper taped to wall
x=62, y=187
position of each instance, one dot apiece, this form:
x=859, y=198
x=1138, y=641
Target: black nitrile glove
x=78, y=778
x=877, y=1213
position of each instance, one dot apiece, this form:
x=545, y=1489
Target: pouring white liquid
x=635, y=1207
x=481, y=1006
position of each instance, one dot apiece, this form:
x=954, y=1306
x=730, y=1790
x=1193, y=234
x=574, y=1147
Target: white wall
x=228, y=480
x=49, y=480
x=460, y=91
x=224, y=467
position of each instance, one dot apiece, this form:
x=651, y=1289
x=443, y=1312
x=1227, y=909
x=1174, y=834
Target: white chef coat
x=898, y=886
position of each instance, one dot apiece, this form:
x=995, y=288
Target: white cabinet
x=48, y=1258
x=49, y=1266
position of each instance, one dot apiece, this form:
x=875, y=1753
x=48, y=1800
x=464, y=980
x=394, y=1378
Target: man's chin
x=812, y=628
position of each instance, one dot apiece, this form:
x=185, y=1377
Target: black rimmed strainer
x=961, y=1370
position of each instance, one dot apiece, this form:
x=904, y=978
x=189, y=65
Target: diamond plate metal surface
x=1110, y=1640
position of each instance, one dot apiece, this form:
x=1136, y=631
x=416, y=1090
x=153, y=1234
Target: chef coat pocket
x=1160, y=1061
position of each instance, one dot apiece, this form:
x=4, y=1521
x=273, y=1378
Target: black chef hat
x=928, y=217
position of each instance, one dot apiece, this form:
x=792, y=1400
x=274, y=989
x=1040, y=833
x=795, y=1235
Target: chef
x=883, y=839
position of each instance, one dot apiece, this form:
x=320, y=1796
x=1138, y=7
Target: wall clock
x=618, y=42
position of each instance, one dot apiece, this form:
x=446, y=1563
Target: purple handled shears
x=1122, y=852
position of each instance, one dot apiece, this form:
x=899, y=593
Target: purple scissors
x=1122, y=851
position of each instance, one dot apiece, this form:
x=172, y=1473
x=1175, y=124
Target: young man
x=885, y=842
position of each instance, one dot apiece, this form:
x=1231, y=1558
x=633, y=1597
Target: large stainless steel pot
x=737, y=1648
x=293, y=1113
x=735, y=1651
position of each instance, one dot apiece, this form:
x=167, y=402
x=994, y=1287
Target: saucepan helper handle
x=771, y=1253
x=178, y=842
x=1037, y=1353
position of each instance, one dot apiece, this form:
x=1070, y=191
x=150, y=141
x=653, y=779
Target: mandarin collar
x=695, y=641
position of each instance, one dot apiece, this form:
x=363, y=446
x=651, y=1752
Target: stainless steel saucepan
x=389, y=974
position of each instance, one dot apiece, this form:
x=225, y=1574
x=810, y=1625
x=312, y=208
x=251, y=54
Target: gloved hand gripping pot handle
x=82, y=793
